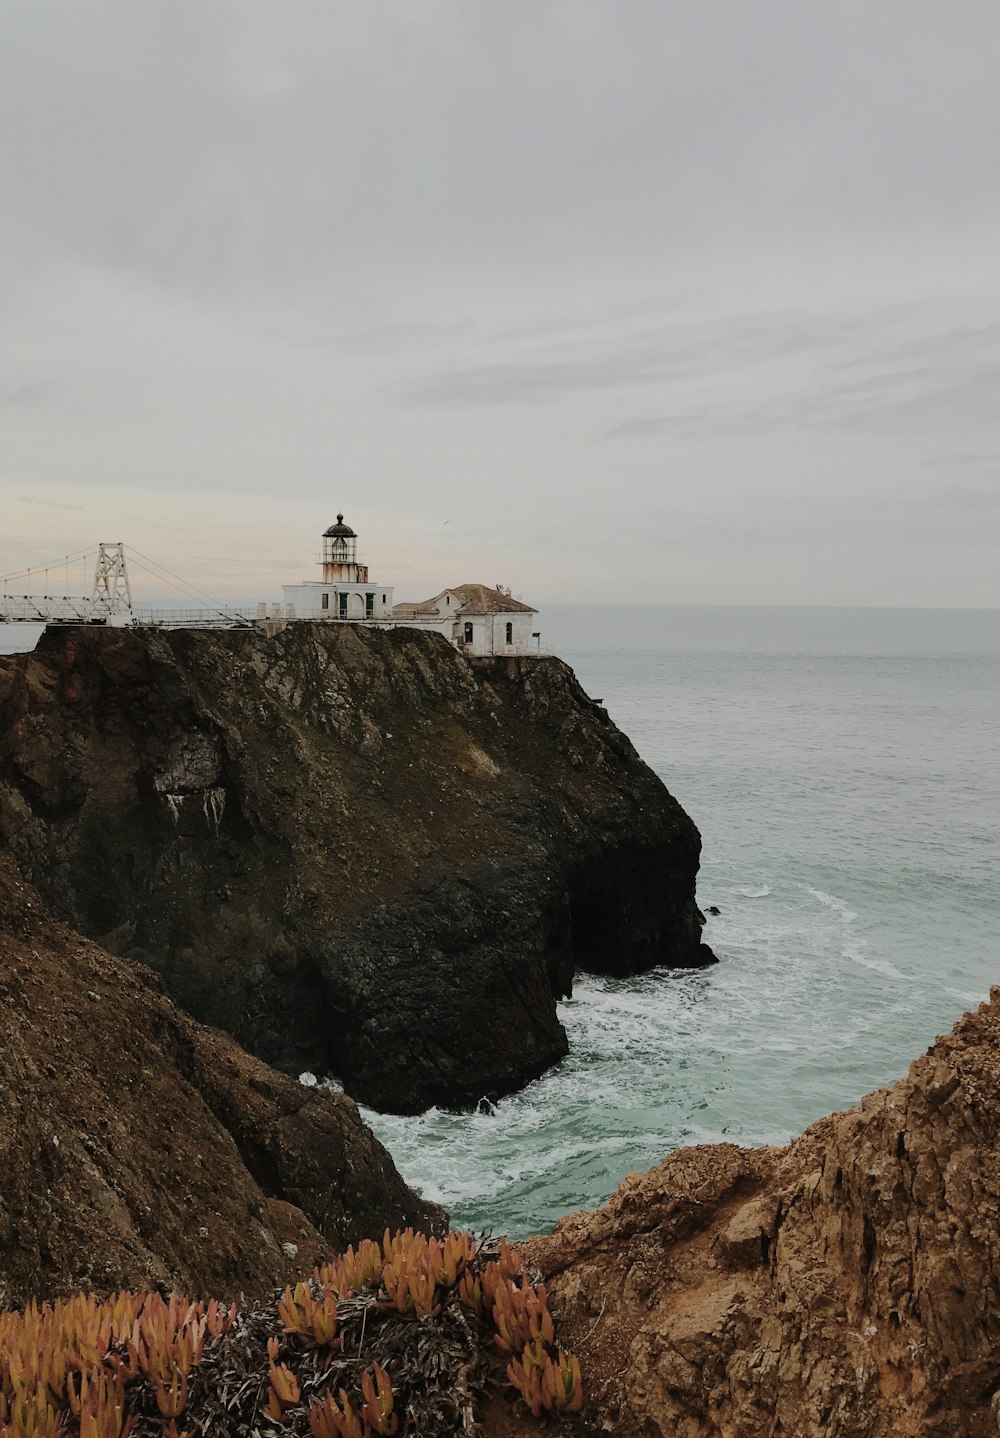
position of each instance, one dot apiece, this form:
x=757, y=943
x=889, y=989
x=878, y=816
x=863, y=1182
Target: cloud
x=951, y=382
x=967, y=497
x=685, y=280
x=27, y=393
x=48, y=503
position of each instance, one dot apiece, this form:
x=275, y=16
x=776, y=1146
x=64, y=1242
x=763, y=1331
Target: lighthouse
x=346, y=591
x=340, y=555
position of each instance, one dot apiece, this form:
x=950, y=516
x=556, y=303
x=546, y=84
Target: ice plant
x=83, y=1368
x=313, y=1319
x=65, y=1368
x=377, y=1412
x=283, y=1393
x=332, y=1420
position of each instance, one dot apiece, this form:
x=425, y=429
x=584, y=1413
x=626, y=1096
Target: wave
x=963, y=995
x=746, y=892
x=877, y=966
x=830, y=901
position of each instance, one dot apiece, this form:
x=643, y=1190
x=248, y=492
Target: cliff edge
x=354, y=850
x=847, y=1286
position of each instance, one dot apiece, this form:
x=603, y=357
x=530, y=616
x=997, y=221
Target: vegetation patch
x=401, y=1337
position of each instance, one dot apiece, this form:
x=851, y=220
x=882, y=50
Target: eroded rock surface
x=354, y=850
x=139, y=1148
x=846, y=1286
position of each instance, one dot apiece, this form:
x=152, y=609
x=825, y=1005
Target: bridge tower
x=112, y=589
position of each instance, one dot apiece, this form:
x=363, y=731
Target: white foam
x=877, y=966
x=746, y=892
x=830, y=901
x=973, y=1000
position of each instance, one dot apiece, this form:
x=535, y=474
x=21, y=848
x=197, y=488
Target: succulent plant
x=82, y=1368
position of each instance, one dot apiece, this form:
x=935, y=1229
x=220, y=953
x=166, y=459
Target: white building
x=476, y=619
x=345, y=591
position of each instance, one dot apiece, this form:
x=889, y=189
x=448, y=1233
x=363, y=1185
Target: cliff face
x=353, y=850
x=137, y=1147
x=846, y=1286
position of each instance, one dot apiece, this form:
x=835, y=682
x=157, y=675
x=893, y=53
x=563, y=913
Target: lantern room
x=340, y=555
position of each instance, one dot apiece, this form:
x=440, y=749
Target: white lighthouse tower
x=340, y=555
x=345, y=591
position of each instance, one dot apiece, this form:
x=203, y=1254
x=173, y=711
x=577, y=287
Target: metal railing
x=195, y=618
x=48, y=609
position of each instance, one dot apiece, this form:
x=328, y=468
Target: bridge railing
x=193, y=618
x=48, y=609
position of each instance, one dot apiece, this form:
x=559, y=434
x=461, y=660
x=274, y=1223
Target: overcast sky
x=635, y=300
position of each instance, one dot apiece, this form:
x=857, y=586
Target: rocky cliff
x=846, y=1286
x=139, y=1148
x=355, y=851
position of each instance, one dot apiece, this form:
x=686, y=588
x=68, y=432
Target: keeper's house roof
x=465, y=599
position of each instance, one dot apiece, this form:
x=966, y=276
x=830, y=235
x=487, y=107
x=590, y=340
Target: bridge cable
x=186, y=583
x=181, y=585
x=54, y=564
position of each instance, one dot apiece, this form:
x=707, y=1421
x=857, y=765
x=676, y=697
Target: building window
x=326, y=601
x=468, y=634
x=510, y=633
x=383, y=599
x=369, y=605
x=343, y=606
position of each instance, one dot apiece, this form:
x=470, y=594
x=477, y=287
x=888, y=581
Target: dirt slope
x=138, y=1147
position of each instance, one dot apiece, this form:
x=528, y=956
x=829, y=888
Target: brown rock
x=137, y=1147
x=846, y=1286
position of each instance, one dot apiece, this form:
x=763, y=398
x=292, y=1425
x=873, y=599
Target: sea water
x=843, y=768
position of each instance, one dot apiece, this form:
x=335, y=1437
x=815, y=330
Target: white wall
x=431, y=623
x=489, y=633
x=308, y=600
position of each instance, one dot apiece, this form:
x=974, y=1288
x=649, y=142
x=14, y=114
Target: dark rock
x=415, y=850
x=713, y=909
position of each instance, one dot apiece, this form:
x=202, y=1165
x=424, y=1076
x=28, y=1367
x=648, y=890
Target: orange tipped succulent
x=64, y=1368
x=521, y=1315
x=75, y=1368
x=547, y=1384
x=173, y=1400
x=332, y=1420
x=313, y=1319
x=377, y=1412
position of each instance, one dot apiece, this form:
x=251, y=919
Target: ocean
x=843, y=768
x=844, y=771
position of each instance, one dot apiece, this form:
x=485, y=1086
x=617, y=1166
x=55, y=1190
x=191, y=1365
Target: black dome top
x=340, y=530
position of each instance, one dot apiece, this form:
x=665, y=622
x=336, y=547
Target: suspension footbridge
x=109, y=600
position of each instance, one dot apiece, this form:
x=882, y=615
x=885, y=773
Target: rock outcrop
x=356, y=851
x=139, y=1148
x=846, y=1286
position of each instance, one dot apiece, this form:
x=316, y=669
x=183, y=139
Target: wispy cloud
x=26, y=394
x=49, y=503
